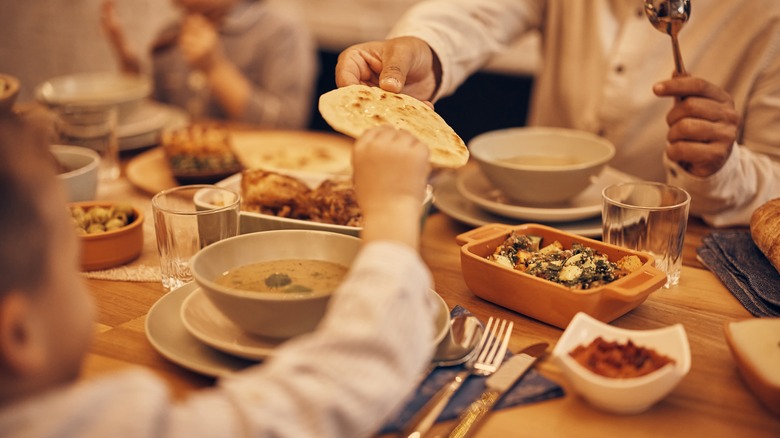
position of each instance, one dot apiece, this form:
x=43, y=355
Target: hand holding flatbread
x=354, y=109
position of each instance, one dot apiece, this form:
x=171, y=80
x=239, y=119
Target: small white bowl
x=630, y=395
x=81, y=175
x=541, y=166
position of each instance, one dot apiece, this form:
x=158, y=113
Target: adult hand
x=199, y=42
x=703, y=124
x=399, y=65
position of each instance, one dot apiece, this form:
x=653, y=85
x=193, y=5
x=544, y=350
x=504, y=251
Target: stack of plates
x=188, y=330
x=143, y=126
x=467, y=196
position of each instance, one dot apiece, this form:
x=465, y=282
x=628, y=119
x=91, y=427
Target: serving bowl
x=112, y=248
x=623, y=395
x=96, y=88
x=541, y=166
x=545, y=300
x=78, y=170
x=250, y=222
x=270, y=314
x=274, y=314
x=754, y=344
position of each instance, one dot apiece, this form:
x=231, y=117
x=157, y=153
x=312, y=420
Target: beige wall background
x=339, y=23
x=45, y=38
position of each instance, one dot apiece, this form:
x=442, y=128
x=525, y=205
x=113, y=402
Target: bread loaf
x=765, y=230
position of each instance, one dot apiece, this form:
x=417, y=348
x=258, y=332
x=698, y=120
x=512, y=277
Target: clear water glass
x=650, y=217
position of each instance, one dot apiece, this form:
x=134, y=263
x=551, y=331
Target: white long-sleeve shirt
x=344, y=380
x=600, y=59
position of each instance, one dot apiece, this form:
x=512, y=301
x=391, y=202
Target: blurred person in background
x=43, y=39
x=249, y=61
x=605, y=69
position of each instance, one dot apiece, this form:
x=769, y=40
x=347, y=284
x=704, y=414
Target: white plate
x=144, y=125
x=474, y=186
x=209, y=325
x=170, y=338
x=453, y=204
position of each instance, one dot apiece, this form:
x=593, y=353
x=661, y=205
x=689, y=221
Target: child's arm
x=129, y=61
x=390, y=172
x=199, y=42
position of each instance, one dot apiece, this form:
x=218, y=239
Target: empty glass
x=188, y=218
x=92, y=126
x=650, y=217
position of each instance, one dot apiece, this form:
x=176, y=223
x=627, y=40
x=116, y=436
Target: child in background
x=343, y=380
x=242, y=60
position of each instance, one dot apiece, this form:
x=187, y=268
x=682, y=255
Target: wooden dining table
x=712, y=400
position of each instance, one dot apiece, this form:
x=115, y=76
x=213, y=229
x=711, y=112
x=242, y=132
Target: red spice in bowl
x=616, y=360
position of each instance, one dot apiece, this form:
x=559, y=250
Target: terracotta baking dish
x=544, y=300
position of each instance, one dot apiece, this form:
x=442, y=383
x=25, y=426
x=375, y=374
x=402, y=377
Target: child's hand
x=390, y=174
x=199, y=42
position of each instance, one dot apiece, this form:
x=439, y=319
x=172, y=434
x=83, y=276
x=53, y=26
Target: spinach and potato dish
x=578, y=267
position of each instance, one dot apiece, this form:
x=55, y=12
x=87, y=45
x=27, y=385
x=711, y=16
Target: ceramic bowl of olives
x=111, y=234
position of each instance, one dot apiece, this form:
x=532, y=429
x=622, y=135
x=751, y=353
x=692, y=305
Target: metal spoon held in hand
x=669, y=16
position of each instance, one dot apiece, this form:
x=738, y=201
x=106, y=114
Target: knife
x=496, y=385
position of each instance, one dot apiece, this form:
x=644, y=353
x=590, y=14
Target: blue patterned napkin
x=742, y=267
x=533, y=387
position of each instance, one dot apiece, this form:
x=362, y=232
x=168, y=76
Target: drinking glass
x=650, y=217
x=188, y=218
x=92, y=126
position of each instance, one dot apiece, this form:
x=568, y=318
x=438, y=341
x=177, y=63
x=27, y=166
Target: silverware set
x=485, y=360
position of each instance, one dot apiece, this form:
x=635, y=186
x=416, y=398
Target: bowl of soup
x=541, y=166
x=277, y=283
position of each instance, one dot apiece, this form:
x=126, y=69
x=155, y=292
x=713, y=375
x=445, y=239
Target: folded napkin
x=742, y=267
x=533, y=387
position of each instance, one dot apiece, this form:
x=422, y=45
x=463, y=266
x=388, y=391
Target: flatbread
x=354, y=109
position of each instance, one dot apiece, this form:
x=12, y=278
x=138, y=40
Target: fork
x=485, y=360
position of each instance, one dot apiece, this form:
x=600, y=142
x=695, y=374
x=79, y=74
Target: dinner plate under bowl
x=450, y=202
x=167, y=334
x=206, y=323
x=475, y=187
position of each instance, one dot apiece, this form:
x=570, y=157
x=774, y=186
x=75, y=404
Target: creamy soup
x=286, y=276
x=543, y=160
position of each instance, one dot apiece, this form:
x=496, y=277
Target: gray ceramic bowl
x=80, y=174
x=270, y=314
x=541, y=166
